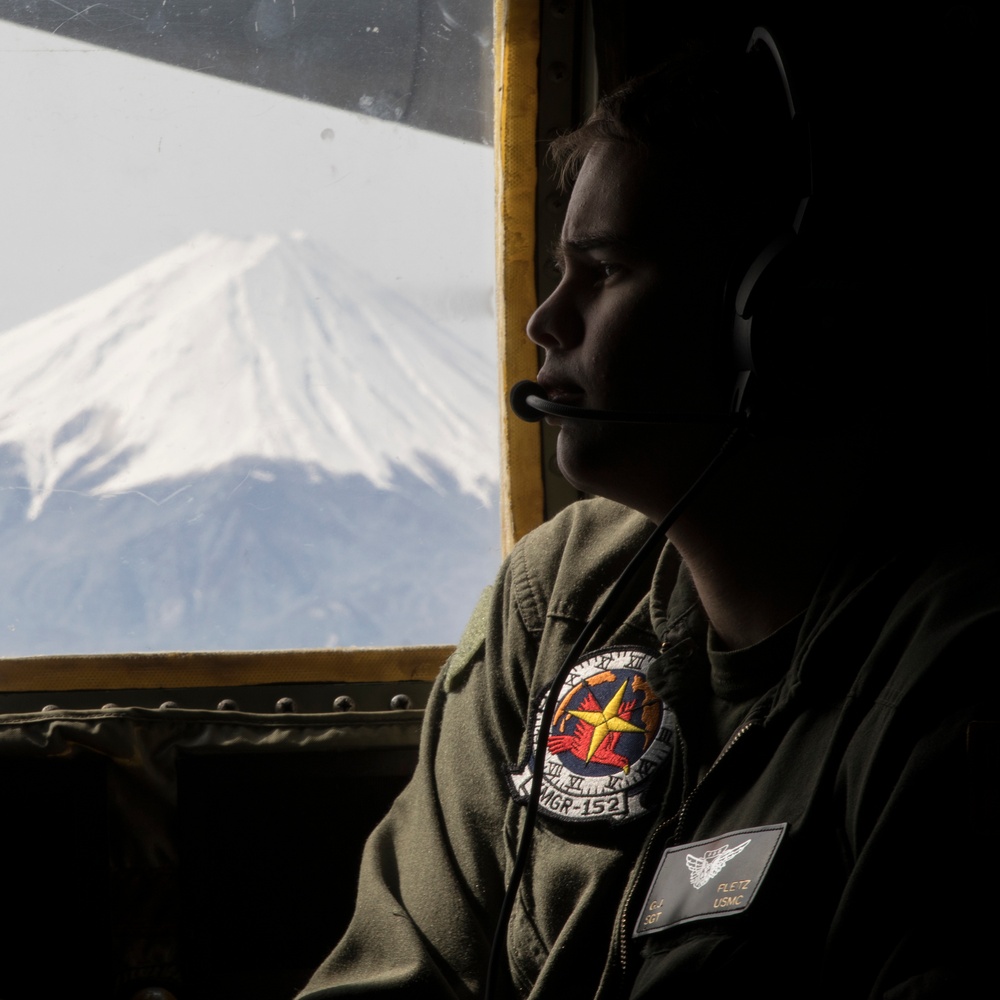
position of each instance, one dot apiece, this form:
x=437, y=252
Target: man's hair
x=719, y=129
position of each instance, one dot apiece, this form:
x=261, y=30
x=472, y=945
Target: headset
x=758, y=304
x=764, y=306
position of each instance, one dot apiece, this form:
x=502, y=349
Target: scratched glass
x=248, y=392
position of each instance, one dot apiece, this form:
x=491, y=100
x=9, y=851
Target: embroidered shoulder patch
x=711, y=878
x=610, y=733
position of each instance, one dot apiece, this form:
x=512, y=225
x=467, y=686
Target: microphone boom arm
x=529, y=403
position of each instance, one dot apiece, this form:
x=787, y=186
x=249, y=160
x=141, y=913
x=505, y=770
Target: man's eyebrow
x=585, y=242
x=588, y=241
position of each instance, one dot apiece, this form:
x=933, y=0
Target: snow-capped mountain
x=242, y=444
x=223, y=348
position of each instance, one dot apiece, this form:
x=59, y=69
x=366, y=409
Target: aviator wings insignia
x=703, y=869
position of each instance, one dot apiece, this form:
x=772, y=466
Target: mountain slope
x=243, y=444
x=271, y=347
x=253, y=555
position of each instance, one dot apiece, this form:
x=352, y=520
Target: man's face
x=633, y=325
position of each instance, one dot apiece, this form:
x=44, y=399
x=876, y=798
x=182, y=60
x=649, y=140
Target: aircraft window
x=248, y=398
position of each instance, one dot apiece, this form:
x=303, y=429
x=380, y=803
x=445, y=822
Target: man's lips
x=560, y=391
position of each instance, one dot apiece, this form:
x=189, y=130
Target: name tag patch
x=710, y=878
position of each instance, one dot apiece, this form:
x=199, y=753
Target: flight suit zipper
x=621, y=930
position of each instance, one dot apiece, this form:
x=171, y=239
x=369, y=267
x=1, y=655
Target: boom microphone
x=528, y=402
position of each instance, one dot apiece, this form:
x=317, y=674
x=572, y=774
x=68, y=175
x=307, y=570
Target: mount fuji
x=244, y=443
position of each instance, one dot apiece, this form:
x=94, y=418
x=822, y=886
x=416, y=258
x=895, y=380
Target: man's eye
x=609, y=269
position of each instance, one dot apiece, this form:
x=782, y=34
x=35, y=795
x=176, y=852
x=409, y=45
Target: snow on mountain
x=270, y=347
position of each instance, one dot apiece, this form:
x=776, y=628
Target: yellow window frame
x=516, y=26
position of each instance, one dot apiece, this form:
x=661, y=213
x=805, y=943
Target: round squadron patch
x=610, y=733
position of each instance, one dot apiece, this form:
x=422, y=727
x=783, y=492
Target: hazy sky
x=108, y=160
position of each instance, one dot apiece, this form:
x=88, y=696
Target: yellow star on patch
x=607, y=721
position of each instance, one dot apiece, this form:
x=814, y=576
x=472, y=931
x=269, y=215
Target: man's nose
x=556, y=324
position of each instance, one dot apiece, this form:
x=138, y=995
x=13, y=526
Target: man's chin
x=588, y=461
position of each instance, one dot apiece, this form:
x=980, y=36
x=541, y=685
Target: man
x=760, y=775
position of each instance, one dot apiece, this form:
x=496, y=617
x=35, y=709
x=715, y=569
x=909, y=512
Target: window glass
x=248, y=397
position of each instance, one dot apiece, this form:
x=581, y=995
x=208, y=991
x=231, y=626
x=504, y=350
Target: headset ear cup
x=765, y=316
x=785, y=330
